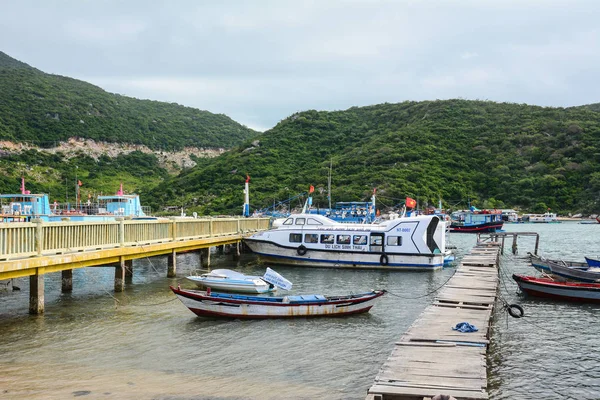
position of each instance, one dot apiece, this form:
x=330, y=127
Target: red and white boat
x=549, y=288
x=212, y=304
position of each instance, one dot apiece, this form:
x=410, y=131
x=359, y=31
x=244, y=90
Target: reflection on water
x=143, y=343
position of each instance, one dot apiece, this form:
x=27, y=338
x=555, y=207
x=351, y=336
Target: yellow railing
x=26, y=239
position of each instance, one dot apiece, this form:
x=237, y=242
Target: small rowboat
x=212, y=304
x=228, y=280
x=232, y=281
x=571, y=270
x=570, y=291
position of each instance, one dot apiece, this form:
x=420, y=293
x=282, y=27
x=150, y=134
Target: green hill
x=43, y=109
x=494, y=154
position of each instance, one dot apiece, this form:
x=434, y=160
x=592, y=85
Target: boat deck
x=431, y=358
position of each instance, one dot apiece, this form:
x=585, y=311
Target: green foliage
x=44, y=109
x=491, y=154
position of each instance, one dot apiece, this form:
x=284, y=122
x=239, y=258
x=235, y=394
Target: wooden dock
x=433, y=359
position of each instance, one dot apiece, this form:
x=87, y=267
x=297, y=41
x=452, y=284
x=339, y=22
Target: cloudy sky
x=260, y=61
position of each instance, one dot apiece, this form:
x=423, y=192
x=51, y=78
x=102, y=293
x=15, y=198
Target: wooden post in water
x=36, y=294
x=120, y=275
x=128, y=271
x=236, y=251
x=537, y=243
x=514, y=245
x=67, y=280
x=205, y=258
x=172, y=264
x=502, y=248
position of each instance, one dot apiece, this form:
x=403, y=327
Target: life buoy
x=515, y=310
x=383, y=260
x=301, y=250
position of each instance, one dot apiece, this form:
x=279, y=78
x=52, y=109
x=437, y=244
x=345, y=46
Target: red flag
x=311, y=189
x=247, y=178
x=79, y=183
x=410, y=203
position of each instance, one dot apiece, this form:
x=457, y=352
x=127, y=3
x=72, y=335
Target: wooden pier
x=431, y=358
x=37, y=248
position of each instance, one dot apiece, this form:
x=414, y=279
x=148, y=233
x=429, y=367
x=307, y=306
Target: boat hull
x=250, y=307
x=569, y=291
x=273, y=253
x=479, y=228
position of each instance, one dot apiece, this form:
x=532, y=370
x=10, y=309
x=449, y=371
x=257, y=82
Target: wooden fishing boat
x=542, y=264
x=476, y=221
x=571, y=270
x=212, y=304
x=549, y=288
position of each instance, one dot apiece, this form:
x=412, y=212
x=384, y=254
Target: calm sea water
x=145, y=344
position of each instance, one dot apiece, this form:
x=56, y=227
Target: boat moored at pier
x=410, y=243
x=476, y=221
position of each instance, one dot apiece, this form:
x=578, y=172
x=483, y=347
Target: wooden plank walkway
x=431, y=358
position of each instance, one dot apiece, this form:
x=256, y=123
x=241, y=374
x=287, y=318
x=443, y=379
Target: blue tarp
x=465, y=327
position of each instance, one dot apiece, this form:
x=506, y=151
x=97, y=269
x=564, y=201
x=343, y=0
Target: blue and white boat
x=232, y=281
x=476, y=221
x=409, y=243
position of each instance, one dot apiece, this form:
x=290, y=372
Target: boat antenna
x=329, y=182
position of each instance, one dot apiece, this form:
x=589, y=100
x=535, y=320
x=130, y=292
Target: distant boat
x=25, y=206
x=546, y=218
x=233, y=281
x=476, y=221
x=227, y=305
x=549, y=288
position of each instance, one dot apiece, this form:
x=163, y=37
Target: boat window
x=311, y=238
x=312, y=221
x=288, y=221
x=300, y=221
x=359, y=240
x=295, y=238
x=376, y=240
x=394, y=241
x=328, y=239
x=343, y=239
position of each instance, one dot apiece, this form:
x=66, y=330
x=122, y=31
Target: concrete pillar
x=172, y=264
x=128, y=271
x=67, y=280
x=236, y=251
x=121, y=231
x=36, y=294
x=39, y=235
x=120, y=276
x=205, y=258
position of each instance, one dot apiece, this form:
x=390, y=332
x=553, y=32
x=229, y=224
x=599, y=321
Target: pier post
x=205, y=258
x=537, y=243
x=172, y=264
x=36, y=294
x=236, y=251
x=128, y=271
x=120, y=275
x=502, y=248
x=67, y=280
x=514, y=245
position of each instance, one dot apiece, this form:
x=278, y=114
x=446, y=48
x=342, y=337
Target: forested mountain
x=44, y=109
x=493, y=154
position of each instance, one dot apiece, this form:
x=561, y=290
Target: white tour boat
x=408, y=243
